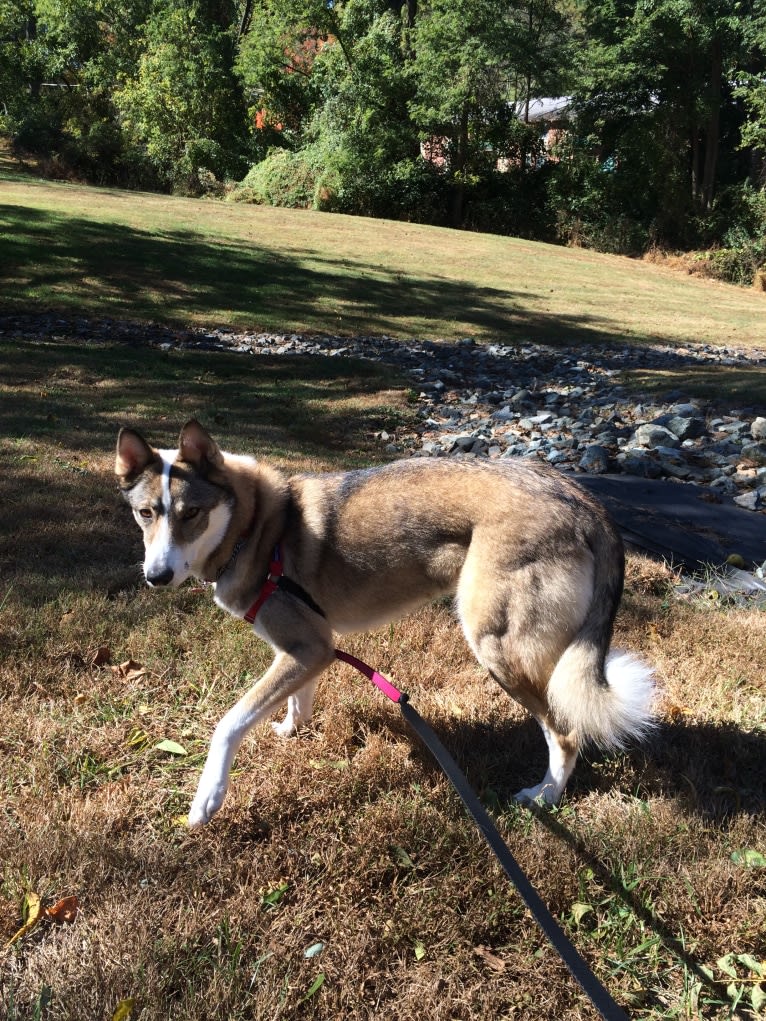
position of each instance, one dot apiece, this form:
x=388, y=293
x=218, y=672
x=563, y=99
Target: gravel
x=562, y=405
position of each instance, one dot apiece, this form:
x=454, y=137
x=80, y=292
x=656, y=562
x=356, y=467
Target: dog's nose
x=160, y=577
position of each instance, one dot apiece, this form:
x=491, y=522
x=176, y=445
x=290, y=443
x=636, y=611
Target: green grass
x=126, y=254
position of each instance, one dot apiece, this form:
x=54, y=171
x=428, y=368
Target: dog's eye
x=145, y=513
x=189, y=513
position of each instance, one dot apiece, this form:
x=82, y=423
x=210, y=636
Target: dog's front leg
x=289, y=672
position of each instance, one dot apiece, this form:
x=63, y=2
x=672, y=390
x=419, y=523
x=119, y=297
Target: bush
x=512, y=202
x=283, y=178
x=408, y=189
x=741, y=215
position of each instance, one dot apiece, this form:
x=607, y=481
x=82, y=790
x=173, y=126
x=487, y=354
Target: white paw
x=207, y=801
x=543, y=794
x=285, y=729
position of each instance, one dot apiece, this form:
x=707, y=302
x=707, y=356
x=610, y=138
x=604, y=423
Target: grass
x=737, y=386
x=342, y=879
x=125, y=254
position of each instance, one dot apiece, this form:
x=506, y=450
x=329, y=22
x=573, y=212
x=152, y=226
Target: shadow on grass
x=52, y=259
x=714, y=771
x=63, y=526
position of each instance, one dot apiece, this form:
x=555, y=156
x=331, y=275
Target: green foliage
x=182, y=104
x=283, y=178
x=742, y=214
x=412, y=111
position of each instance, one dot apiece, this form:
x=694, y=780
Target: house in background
x=553, y=115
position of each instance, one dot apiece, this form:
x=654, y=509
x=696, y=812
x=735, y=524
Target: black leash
x=599, y=996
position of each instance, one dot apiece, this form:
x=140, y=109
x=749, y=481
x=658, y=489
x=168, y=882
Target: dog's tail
x=605, y=701
x=605, y=698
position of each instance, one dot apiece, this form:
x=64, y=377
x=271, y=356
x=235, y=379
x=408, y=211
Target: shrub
x=741, y=212
x=283, y=178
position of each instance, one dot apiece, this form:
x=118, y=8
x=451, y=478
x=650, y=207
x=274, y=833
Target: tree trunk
x=457, y=199
x=712, y=128
x=244, y=21
x=30, y=30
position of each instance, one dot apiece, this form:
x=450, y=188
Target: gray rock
x=754, y=452
x=557, y=457
x=503, y=415
x=736, y=429
x=750, y=500
x=521, y=397
x=724, y=448
x=650, y=435
x=640, y=464
x=758, y=428
x=595, y=460
x=686, y=428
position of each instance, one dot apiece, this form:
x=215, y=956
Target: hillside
x=146, y=256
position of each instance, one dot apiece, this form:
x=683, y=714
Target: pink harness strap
x=270, y=586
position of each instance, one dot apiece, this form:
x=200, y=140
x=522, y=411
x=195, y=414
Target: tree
x=182, y=103
x=664, y=63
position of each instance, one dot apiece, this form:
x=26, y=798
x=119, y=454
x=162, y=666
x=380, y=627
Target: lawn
x=342, y=878
x=125, y=254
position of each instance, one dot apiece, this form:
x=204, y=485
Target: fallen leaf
x=124, y=1009
x=101, y=656
x=314, y=950
x=273, y=897
x=494, y=962
x=32, y=915
x=171, y=747
x=420, y=950
x=749, y=857
x=403, y=857
x=129, y=670
x=63, y=911
x=675, y=711
x=315, y=986
x=579, y=911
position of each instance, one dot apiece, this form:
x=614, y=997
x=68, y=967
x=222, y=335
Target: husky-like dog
x=534, y=562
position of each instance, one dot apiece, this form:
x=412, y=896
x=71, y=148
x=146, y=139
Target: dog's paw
x=206, y=803
x=542, y=794
x=285, y=729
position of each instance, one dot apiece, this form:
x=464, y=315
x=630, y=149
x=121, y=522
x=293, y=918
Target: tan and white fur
x=534, y=562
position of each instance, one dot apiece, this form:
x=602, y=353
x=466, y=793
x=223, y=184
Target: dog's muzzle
x=158, y=578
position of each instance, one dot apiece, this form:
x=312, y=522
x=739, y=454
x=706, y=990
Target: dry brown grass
x=354, y=823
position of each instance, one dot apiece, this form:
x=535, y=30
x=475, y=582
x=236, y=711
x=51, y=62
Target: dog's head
x=180, y=499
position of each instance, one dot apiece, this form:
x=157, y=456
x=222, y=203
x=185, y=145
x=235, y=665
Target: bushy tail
x=607, y=705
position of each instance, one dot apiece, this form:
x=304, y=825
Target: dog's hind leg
x=299, y=709
x=292, y=673
x=518, y=624
x=562, y=756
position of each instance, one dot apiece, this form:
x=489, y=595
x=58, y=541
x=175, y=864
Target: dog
x=534, y=563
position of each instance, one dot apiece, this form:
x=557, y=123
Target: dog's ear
x=133, y=455
x=197, y=448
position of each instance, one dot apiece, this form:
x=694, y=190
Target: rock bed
x=561, y=405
